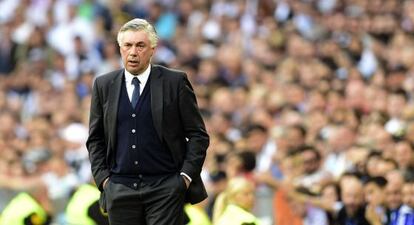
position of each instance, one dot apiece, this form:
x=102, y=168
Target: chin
x=247, y=207
x=133, y=70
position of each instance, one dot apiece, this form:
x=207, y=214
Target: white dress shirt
x=143, y=78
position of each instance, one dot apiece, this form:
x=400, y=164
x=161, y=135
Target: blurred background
x=310, y=100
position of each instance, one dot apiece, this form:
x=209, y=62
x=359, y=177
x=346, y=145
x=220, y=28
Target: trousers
x=152, y=202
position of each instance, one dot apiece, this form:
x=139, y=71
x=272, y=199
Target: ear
x=152, y=51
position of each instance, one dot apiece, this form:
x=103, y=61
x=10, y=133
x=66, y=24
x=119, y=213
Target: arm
x=194, y=130
x=267, y=178
x=20, y=183
x=372, y=216
x=313, y=200
x=96, y=141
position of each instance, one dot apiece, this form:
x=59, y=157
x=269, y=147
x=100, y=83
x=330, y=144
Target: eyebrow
x=130, y=42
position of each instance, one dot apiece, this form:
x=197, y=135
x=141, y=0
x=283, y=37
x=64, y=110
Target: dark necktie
x=135, y=93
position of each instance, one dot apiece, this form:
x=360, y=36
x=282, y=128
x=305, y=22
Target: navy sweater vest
x=139, y=151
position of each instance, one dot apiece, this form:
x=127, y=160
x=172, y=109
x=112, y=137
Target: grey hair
x=136, y=25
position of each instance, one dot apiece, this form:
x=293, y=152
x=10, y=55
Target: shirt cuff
x=186, y=176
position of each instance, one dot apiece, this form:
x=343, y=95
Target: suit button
x=136, y=162
x=133, y=131
x=134, y=146
x=134, y=115
x=135, y=185
x=140, y=176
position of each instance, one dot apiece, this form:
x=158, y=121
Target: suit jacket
x=176, y=118
x=359, y=218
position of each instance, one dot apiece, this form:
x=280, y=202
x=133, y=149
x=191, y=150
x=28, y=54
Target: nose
x=134, y=51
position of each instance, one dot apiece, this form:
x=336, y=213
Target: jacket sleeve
x=96, y=144
x=194, y=130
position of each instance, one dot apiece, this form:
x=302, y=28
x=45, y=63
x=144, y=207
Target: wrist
x=104, y=183
x=186, y=181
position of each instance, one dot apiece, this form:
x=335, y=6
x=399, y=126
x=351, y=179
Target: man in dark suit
x=147, y=141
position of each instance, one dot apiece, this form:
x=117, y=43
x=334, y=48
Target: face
x=310, y=162
x=233, y=165
x=136, y=51
x=352, y=196
x=395, y=105
x=372, y=166
x=373, y=194
x=403, y=154
x=329, y=194
x=384, y=167
x=408, y=194
x=245, y=198
x=393, y=196
x=294, y=137
x=256, y=140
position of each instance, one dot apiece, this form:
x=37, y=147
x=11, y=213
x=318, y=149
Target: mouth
x=133, y=62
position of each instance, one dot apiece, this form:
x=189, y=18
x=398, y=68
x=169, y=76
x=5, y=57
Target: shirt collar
x=405, y=209
x=143, y=77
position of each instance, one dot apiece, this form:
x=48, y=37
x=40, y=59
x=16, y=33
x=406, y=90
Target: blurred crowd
x=309, y=100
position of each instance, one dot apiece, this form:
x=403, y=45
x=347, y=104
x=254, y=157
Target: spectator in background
x=52, y=174
x=218, y=183
x=371, y=165
x=308, y=214
x=197, y=214
x=234, y=205
x=408, y=208
x=282, y=212
x=397, y=101
x=296, y=136
x=263, y=147
x=393, y=196
x=409, y=132
x=352, y=195
x=7, y=51
x=240, y=163
x=405, y=158
x=329, y=200
x=257, y=138
x=30, y=208
x=83, y=207
x=376, y=165
x=387, y=165
x=340, y=139
x=313, y=177
x=375, y=211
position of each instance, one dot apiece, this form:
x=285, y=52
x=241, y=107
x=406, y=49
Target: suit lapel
x=156, y=82
x=113, y=100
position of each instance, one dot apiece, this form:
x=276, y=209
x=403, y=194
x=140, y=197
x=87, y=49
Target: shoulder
x=405, y=209
x=233, y=211
x=169, y=73
x=107, y=77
